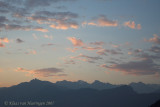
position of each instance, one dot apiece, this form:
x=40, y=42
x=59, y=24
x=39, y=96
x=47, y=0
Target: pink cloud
x=48, y=37
x=44, y=72
x=102, y=52
x=132, y=25
x=2, y=41
x=5, y=40
x=76, y=42
x=104, y=22
x=72, y=50
x=155, y=39
x=91, y=48
x=64, y=26
x=41, y=29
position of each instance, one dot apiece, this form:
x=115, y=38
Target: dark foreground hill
x=38, y=93
x=156, y=104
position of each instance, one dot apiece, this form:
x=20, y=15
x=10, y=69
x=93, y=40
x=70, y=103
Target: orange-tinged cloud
x=103, y=21
x=76, y=42
x=2, y=45
x=92, y=48
x=132, y=25
x=64, y=26
x=155, y=39
x=41, y=29
x=3, y=40
x=48, y=37
x=44, y=72
x=72, y=50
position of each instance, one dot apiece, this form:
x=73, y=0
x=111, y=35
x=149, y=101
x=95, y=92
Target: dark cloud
x=69, y=62
x=97, y=43
x=86, y=58
x=36, y=3
x=56, y=20
x=59, y=15
x=143, y=67
x=18, y=40
x=3, y=19
x=155, y=49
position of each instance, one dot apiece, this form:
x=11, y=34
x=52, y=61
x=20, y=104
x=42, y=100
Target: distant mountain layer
x=46, y=94
x=138, y=87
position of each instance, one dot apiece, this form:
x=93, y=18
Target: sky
x=113, y=41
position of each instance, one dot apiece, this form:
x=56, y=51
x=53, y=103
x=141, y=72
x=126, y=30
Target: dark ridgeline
x=63, y=96
x=156, y=104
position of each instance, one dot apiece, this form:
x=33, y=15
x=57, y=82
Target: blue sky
x=115, y=41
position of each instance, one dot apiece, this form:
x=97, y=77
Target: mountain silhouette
x=156, y=104
x=144, y=88
x=44, y=91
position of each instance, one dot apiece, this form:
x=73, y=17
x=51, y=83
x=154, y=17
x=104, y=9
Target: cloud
x=44, y=72
x=75, y=41
x=105, y=51
x=5, y=40
x=135, y=52
x=69, y=62
x=132, y=25
x=49, y=44
x=86, y=58
x=3, y=19
x=146, y=56
x=102, y=52
x=103, y=21
x=56, y=20
x=97, y=43
x=155, y=39
x=41, y=29
x=64, y=25
x=2, y=41
x=36, y=3
x=143, y=67
x=57, y=15
x=91, y=48
x=48, y=37
x=72, y=50
x=20, y=27
x=18, y=40
x=155, y=49
x=2, y=45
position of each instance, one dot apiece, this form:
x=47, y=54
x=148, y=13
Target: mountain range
x=138, y=87
x=74, y=94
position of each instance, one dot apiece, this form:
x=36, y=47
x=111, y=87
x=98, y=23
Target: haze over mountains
x=74, y=94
